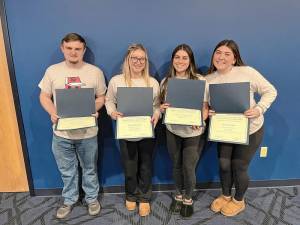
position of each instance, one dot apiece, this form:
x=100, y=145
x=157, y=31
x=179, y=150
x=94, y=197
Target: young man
x=70, y=146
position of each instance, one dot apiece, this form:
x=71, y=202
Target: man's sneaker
x=63, y=211
x=94, y=208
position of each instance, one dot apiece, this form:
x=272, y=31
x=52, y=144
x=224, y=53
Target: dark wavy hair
x=191, y=70
x=234, y=48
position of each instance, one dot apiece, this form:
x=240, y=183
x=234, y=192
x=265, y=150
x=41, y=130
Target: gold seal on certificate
x=134, y=127
x=73, y=123
x=183, y=116
x=230, y=128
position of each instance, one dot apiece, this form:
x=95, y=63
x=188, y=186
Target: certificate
x=73, y=123
x=186, y=99
x=183, y=116
x=134, y=127
x=75, y=107
x=230, y=128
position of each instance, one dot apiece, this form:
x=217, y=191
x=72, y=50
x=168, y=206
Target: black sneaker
x=175, y=206
x=187, y=209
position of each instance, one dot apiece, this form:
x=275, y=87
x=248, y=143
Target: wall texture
x=267, y=32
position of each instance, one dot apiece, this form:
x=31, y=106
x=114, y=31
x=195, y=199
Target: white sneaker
x=94, y=208
x=63, y=211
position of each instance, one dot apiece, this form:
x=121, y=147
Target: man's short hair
x=73, y=37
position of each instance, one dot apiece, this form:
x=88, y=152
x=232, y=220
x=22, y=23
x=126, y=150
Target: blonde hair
x=126, y=68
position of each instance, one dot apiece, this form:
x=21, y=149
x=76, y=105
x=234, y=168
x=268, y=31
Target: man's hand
x=54, y=118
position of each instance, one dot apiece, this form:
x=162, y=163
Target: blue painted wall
x=267, y=32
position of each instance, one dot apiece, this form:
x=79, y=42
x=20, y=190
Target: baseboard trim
x=170, y=187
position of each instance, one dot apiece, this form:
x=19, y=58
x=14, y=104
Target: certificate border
x=96, y=124
x=133, y=138
x=201, y=125
x=231, y=142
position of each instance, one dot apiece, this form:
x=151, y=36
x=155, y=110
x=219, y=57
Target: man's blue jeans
x=67, y=153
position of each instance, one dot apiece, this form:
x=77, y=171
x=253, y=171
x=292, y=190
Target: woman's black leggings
x=185, y=153
x=234, y=160
x=137, y=161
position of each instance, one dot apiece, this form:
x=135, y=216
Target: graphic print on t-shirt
x=73, y=82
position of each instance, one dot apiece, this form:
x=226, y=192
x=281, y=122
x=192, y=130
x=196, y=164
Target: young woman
x=234, y=159
x=184, y=143
x=136, y=154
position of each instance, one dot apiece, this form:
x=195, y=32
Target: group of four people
x=184, y=143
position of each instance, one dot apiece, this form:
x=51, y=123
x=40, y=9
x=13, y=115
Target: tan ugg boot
x=219, y=202
x=233, y=208
x=144, y=209
x=130, y=205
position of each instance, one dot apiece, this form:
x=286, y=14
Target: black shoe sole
x=186, y=210
x=175, y=206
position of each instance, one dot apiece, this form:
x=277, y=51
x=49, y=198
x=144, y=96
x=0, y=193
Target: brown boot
x=219, y=203
x=144, y=209
x=233, y=208
x=130, y=205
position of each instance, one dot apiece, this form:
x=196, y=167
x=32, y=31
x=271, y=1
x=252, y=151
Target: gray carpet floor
x=264, y=206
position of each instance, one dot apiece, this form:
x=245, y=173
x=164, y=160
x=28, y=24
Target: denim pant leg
x=65, y=155
x=87, y=150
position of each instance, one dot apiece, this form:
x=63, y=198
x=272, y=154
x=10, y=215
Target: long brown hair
x=191, y=70
x=235, y=50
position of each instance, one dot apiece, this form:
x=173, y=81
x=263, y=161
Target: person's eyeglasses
x=136, y=59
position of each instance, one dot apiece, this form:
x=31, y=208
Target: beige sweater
x=258, y=84
x=55, y=78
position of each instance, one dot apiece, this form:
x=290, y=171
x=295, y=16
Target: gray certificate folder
x=78, y=104
x=185, y=93
x=230, y=97
x=135, y=101
x=75, y=102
